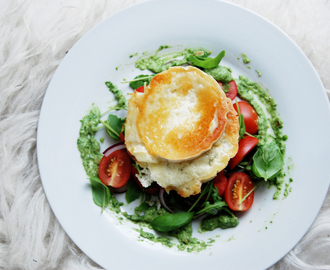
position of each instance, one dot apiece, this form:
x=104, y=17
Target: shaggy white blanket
x=34, y=36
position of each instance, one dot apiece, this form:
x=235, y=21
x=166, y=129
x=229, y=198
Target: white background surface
x=30, y=236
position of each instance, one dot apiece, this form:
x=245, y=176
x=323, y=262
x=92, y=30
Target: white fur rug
x=34, y=36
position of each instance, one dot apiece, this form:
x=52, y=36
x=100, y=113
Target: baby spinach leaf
x=172, y=221
x=113, y=126
x=100, y=192
x=203, y=58
x=142, y=79
x=217, y=204
x=112, y=133
x=204, y=191
x=267, y=161
x=210, y=207
x=206, y=62
x=143, y=206
x=133, y=191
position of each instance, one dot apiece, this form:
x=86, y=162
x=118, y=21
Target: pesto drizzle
x=158, y=63
x=119, y=97
x=88, y=146
x=247, y=90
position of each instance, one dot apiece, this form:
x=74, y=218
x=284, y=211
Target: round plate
x=271, y=227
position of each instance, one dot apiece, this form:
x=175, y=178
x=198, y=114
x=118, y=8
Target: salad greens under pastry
x=244, y=123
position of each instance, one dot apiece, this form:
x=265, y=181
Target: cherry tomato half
x=250, y=117
x=150, y=190
x=239, y=185
x=245, y=145
x=232, y=92
x=140, y=89
x=115, y=169
x=220, y=182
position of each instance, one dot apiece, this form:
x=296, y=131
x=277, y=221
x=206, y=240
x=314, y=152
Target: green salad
x=259, y=160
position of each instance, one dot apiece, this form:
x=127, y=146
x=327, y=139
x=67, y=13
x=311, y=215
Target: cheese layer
x=193, y=113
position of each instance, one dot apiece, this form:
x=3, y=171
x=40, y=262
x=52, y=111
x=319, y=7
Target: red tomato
x=150, y=190
x=239, y=185
x=245, y=145
x=140, y=89
x=220, y=182
x=115, y=169
x=121, y=135
x=232, y=92
x=250, y=116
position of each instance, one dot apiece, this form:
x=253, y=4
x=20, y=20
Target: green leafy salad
x=259, y=159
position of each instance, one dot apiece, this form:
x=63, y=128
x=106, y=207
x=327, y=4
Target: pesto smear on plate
x=169, y=215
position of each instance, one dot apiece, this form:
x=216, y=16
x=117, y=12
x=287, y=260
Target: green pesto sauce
x=259, y=73
x=158, y=63
x=186, y=242
x=149, y=215
x=156, y=239
x=163, y=47
x=222, y=221
x=114, y=204
x=220, y=73
x=88, y=146
x=183, y=234
x=253, y=92
x=288, y=188
x=119, y=97
x=246, y=59
x=278, y=182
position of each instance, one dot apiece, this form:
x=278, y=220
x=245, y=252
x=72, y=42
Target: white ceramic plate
x=270, y=228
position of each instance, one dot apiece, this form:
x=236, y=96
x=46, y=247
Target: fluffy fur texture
x=34, y=37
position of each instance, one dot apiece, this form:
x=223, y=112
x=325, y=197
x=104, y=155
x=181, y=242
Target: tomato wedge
x=115, y=169
x=232, y=92
x=239, y=185
x=245, y=145
x=250, y=116
x=140, y=89
x=220, y=182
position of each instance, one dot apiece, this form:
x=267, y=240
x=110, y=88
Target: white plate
x=287, y=73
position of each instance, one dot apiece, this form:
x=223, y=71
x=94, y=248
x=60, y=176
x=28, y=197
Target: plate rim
x=146, y=3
